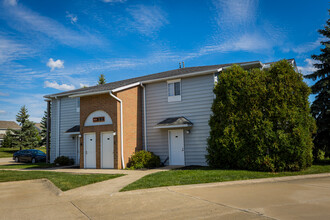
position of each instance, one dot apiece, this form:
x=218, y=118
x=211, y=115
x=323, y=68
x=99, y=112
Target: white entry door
x=107, y=156
x=90, y=150
x=176, y=147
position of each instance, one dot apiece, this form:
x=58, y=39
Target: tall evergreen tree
x=43, y=132
x=28, y=135
x=22, y=116
x=8, y=140
x=321, y=105
x=101, y=80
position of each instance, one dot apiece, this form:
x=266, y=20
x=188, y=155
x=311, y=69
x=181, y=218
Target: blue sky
x=51, y=46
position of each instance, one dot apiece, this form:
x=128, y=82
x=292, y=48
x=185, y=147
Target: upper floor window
x=216, y=78
x=174, y=90
x=78, y=105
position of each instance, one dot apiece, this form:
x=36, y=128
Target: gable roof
x=38, y=126
x=182, y=72
x=9, y=124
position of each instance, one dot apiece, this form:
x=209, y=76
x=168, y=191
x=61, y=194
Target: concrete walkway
x=108, y=187
x=104, y=188
x=6, y=160
x=290, y=199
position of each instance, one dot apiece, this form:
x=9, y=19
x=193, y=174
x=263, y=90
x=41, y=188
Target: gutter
x=121, y=128
x=89, y=93
x=181, y=76
x=126, y=87
x=105, y=91
x=144, y=117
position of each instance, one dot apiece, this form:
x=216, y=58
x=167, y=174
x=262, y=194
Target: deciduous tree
x=261, y=120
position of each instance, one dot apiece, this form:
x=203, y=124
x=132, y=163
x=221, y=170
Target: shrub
x=261, y=120
x=320, y=155
x=64, y=161
x=143, y=159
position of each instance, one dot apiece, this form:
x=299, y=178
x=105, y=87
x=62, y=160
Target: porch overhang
x=175, y=122
x=75, y=130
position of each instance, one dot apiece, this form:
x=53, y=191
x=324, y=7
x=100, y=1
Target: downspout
x=121, y=128
x=144, y=118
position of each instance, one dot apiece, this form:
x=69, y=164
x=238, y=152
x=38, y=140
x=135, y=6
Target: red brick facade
x=132, y=120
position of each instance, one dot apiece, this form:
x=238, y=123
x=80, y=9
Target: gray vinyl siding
x=53, y=129
x=196, y=101
x=69, y=117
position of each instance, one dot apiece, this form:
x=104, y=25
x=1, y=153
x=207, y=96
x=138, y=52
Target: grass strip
x=8, y=152
x=207, y=175
x=27, y=166
x=64, y=181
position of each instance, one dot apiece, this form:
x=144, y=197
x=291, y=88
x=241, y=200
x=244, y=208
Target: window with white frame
x=174, y=90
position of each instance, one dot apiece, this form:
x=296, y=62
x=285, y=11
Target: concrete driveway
x=6, y=161
x=294, y=199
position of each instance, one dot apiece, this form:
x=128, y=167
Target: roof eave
x=182, y=76
x=205, y=72
x=174, y=126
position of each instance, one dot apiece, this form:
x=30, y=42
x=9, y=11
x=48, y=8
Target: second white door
x=107, y=155
x=176, y=143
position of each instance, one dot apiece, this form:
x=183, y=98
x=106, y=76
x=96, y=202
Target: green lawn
x=207, y=175
x=64, y=181
x=8, y=152
x=27, y=166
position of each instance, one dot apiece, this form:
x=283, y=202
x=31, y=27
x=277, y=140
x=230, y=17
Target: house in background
x=166, y=113
x=38, y=127
x=6, y=125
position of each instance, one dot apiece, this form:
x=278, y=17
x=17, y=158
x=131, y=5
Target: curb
x=49, y=185
x=227, y=183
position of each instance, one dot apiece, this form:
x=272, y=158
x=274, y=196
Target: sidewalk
x=6, y=160
x=104, y=188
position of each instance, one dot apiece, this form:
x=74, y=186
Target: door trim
x=85, y=148
x=113, y=148
x=170, y=147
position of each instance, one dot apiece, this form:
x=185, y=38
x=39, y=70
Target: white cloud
x=2, y=111
x=147, y=19
x=247, y=42
x=11, y=50
x=34, y=102
x=238, y=29
x=55, y=64
x=25, y=20
x=235, y=13
x=307, y=47
x=55, y=85
x=4, y=94
x=73, y=18
x=308, y=68
x=82, y=85
x=114, y=1
x=11, y=2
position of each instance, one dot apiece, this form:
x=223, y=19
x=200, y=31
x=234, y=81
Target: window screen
x=177, y=88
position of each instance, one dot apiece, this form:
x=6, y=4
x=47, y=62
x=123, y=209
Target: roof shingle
x=9, y=124
x=170, y=73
